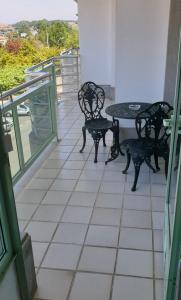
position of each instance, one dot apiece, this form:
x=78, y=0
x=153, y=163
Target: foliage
x=14, y=60
x=10, y=77
x=22, y=27
x=13, y=45
x=57, y=34
x=53, y=37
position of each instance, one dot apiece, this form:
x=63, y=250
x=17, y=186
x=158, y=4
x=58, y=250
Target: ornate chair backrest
x=149, y=123
x=91, y=99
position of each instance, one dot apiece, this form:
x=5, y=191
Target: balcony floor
x=92, y=237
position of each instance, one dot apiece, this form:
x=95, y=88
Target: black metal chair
x=91, y=99
x=152, y=139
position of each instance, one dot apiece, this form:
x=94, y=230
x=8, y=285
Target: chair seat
x=139, y=147
x=99, y=124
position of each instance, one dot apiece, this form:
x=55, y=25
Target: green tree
x=23, y=27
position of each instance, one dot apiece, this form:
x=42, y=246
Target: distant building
x=3, y=40
x=23, y=34
x=6, y=29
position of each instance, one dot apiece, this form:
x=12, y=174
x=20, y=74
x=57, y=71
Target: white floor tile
x=91, y=174
x=106, y=216
x=129, y=288
x=40, y=184
x=68, y=142
x=102, y=236
x=69, y=174
x=47, y=173
x=109, y=200
x=50, y=213
x=159, y=290
x=62, y=256
x=74, y=165
x=22, y=225
x=159, y=265
x=63, y=185
x=64, y=149
x=56, y=197
x=39, y=250
x=31, y=196
x=158, y=220
x=77, y=214
x=53, y=164
x=158, y=240
x=133, y=238
x=41, y=231
x=142, y=189
x=25, y=211
x=158, y=190
x=88, y=186
x=91, y=287
x=158, y=203
x=53, y=284
x=70, y=233
x=89, y=165
x=111, y=187
x=78, y=156
x=59, y=155
x=113, y=176
x=137, y=202
x=97, y=259
x=135, y=218
x=135, y=263
x=82, y=199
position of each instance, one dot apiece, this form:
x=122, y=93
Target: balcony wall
x=123, y=44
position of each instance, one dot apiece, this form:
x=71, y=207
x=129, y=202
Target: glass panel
x=8, y=125
x=35, y=123
x=173, y=182
x=2, y=244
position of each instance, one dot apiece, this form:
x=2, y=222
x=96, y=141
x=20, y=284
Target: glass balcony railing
x=28, y=111
x=29, y=120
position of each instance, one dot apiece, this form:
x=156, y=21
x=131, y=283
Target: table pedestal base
x=115, y=148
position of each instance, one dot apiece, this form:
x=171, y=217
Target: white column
x=96, y=41
x=141, y=44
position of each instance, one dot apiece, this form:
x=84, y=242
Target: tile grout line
x=117, y=249
x=82, y=248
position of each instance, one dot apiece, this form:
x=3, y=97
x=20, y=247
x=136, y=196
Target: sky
x=12, y=11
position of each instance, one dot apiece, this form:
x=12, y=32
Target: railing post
x=18, y=138
x=53, y=102
x=78, y=79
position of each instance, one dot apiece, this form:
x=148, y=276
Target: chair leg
x=148, y=162
x=156, y=162
x=104, y=139
x=137, y=171
x=84, y=139
x=128, y=155
x=96, y=144
x=116, y=139
x=166, y=158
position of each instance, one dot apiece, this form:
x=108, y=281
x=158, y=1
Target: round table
x=125, y=110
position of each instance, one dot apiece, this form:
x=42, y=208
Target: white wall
x=123, y=43
x=141, y=44
x=95, y=21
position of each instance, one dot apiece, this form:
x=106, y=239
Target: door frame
x=10, y=222
x=173, y=241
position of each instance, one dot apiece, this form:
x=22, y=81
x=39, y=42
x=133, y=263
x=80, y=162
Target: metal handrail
x=24, y=85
